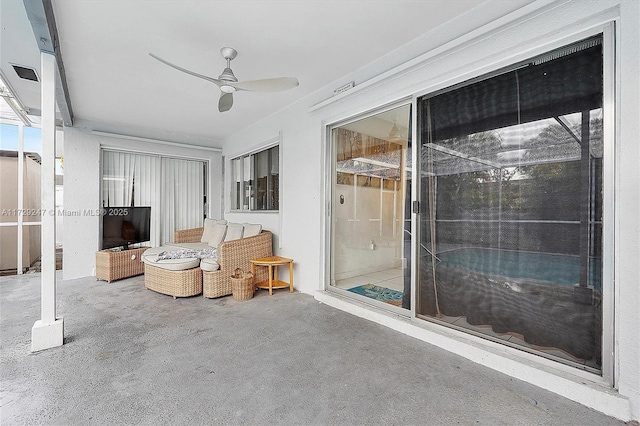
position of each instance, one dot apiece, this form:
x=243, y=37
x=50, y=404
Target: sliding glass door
x=370, y=219
x=511, y=206
x=174, y=188
x=509, y=213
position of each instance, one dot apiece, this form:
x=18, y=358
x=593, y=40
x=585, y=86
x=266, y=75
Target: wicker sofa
x=231, y=255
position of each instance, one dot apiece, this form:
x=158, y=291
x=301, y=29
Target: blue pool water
x=555, y=268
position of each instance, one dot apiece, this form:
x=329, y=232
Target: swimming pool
x=552, y=268
x=530, y=295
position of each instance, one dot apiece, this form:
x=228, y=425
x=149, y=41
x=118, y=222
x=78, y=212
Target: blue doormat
x=376, y=292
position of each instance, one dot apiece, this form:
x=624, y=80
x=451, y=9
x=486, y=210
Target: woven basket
x=242, y=286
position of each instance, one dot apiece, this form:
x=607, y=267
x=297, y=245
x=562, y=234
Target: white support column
x=48, y=332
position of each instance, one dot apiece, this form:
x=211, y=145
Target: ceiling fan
x=228, y=83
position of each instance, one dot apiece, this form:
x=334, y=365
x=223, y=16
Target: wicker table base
x=173, y=283
x=115, y=265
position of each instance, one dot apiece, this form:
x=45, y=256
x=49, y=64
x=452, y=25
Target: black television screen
x=122, y=226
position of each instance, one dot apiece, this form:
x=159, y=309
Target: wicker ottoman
x=175, y=277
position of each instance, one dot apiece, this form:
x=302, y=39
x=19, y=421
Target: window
x=255, y=185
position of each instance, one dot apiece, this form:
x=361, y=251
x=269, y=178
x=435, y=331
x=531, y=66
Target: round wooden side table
x=272, y=262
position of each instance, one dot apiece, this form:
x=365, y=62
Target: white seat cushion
x=209, y=265
x=190, y=246
x=149, y=257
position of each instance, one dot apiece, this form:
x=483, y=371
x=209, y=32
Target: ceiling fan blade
x=267, y=85
x=226, y=102
x=195, y=74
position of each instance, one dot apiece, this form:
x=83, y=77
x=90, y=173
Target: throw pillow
x=234, y=232
x=208, y=229
x=251, y=229
x=218, y=232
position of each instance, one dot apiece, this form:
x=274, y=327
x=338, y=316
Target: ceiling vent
x=25, y=72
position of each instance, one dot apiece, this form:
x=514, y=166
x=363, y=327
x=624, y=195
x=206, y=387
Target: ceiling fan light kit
x=228, y=83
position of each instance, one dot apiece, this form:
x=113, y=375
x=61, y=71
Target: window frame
x=250, y=157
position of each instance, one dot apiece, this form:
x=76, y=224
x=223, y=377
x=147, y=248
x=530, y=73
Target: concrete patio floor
x=132, y=356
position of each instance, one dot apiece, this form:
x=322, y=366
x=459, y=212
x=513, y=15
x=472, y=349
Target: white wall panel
x=82, y=188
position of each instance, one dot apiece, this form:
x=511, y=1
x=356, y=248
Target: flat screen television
x=122, y=226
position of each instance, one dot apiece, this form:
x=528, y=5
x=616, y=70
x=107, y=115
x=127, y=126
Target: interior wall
x=366, y=249
x=83, y=189
x=472, y=51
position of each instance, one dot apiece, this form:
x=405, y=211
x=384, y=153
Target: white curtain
x=173, y=188
x=130, y=179
x=146, y=191
x=117, y=178
x=182, y=196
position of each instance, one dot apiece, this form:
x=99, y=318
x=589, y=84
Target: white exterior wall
x=81, y=191
x=83, y=188
x=297, y=227
x=627, y=271
x=474, y=45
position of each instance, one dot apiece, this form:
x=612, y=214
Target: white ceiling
x=112, y=79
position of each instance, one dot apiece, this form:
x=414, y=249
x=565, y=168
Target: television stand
x=115, y=265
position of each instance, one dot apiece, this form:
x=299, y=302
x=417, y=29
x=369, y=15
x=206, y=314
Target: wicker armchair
x=231, y=255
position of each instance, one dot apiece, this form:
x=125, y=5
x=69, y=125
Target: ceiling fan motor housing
x=229, y=54
x=227, y=75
